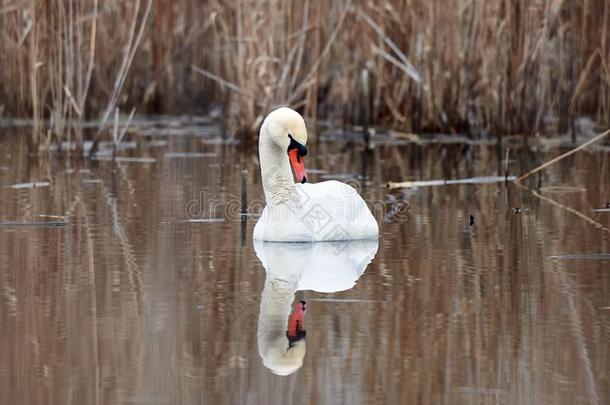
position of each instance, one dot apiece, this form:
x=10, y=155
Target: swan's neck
x=278, y=183
x=276, y=302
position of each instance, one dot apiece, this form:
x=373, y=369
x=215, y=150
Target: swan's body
x=322, y=267
x=326, y=211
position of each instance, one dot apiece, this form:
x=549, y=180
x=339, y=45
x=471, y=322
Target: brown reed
x=468, y=66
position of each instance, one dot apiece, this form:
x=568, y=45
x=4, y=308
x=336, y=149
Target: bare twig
x=564, y=207
x=130, y=50
x=408, y=66
x=408, y=69
x=115, y=130
x=442, y=182
x=222, y=82
x=126, y=126
x=560, y=157
x=91, y=62
x=73, y=103
x=314, y=68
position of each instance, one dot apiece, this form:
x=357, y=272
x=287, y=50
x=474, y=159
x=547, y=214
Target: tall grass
x=511, y=66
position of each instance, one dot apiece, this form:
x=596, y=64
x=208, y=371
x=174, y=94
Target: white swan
x=326, y=211
x=323, y=267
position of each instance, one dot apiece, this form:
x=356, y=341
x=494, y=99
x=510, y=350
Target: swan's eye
x=296, y=145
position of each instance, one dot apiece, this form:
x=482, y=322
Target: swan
x=303, y=212
x=323, y=267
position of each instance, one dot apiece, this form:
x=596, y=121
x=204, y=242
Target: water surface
x=143, y=286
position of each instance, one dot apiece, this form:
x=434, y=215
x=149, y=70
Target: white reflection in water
x=325, y=267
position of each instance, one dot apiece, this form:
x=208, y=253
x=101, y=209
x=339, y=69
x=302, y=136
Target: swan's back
x=326, y=211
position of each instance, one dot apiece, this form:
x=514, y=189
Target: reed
x=499, y=67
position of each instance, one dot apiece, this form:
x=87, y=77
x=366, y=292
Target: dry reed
x=501, y=67
x=562, y=156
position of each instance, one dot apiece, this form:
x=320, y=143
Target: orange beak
x=297, y=163
x=295, y=322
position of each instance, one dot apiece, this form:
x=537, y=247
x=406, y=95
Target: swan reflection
x=325, y=267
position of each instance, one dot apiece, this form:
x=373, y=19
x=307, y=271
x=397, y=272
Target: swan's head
x=285, y=354
x=285, y=362
x=286, y=128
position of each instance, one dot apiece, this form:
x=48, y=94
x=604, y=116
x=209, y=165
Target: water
x=144, y=286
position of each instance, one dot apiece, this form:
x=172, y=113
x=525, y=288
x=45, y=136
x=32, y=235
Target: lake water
x=145, y=287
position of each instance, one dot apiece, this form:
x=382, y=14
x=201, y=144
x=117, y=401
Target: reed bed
x=455, y=66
